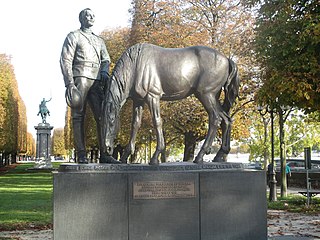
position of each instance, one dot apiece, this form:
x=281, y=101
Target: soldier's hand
x=70, y=86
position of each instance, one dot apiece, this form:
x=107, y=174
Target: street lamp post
x=273, y=181
x=271, y=171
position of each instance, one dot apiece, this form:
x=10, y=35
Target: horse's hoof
x=198, y=160
x=109, y=160
x=218, y=159
x=83, y=161
x=154, y=162
x=124, y=160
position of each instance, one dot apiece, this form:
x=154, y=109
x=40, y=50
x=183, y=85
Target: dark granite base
x=165, y=202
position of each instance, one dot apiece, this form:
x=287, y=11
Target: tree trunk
x=6, y=159
x=189, y=146
x=14, y=158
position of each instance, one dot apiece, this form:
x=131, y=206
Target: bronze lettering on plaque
x=163, y=189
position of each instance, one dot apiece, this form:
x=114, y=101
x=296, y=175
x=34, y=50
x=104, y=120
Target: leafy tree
x=13, y=130
x=8, y=107
x=287, y=46
x=163, y=23
x=302, y=131
x=68, y=132
x=31, y=146
x=117, y=41
x=22, y=128
x=58, y=148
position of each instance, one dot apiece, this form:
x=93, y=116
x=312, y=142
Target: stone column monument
x=43, y=145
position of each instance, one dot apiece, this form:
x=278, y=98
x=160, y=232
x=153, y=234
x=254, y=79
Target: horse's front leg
x=154, y=105
x=136, y=123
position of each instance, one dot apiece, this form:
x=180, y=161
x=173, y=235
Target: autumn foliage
x=14, y=139
x=263, y=44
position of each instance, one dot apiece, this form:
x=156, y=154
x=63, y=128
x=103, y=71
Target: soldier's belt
x=88, y=64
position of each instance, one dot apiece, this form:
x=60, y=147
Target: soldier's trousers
x=92, y=93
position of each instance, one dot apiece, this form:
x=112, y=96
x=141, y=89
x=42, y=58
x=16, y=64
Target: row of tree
x=14, y=138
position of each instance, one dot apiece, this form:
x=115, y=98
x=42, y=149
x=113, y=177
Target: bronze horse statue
x=147, y=74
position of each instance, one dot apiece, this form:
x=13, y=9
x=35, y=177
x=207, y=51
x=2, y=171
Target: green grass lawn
x=25, y=198
x=294, y=203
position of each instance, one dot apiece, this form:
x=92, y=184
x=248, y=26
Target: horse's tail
x=231, y=87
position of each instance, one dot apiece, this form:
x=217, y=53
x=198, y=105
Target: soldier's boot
x=79, y=143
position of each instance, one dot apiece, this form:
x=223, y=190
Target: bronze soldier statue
x=84, y=64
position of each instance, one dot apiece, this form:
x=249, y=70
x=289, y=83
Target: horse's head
x=110, y=125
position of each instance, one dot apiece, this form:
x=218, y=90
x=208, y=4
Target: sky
x=33, y=32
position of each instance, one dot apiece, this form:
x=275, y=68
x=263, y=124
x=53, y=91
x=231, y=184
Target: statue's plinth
x=43, y=145
x=182, y=201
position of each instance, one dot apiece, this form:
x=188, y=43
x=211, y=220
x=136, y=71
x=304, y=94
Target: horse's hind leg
x=136, y=123
x=226, y=135
x=154, y=105
x=210, y=104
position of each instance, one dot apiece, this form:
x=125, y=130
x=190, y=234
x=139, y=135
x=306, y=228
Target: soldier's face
x=88, y=19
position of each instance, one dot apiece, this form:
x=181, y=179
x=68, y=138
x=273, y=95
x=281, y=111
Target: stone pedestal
x=166, y=202
x=43, y=146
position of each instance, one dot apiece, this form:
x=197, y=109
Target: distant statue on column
x=43, y=110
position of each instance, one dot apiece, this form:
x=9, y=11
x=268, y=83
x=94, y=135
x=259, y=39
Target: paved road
x=287, y=225
x=293, y=226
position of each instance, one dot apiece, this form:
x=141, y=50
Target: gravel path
x=281, y=225
x=27, y=235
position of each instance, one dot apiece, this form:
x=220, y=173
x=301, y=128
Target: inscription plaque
x=163, y=189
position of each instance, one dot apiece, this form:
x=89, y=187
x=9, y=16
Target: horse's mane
x=122, y=75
